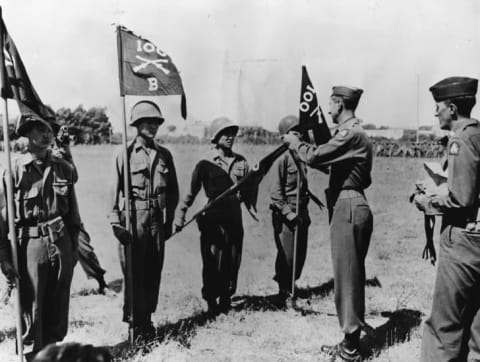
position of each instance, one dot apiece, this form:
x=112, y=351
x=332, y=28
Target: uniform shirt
x=152, y=176
x=216, y=174
x=284, y=187
x=42, y=193
x=463, y=165
x=348, y=152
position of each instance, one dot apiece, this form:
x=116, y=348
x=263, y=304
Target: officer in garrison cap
x=349, y=155
x=47, y=224
x=289, y=218
x=154, y=197
x=452, y=332
x=221, y=226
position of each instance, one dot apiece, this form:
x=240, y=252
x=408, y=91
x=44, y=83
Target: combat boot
x=225, y=305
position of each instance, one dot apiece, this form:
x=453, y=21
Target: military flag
x=312, y=120
x=145, y=70
x=15, y=82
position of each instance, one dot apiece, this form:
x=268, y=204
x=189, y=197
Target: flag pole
x=126, y=182
x=11, y=229
x=295, y=237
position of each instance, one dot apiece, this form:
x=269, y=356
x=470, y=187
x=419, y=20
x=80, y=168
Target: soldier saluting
x=154, y=197
x=47, y=224
x=452, y=332
x=349, y=153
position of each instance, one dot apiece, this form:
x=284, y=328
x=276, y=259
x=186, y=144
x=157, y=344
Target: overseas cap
x=145, y=109
x=453, y=87
x=26, y=122
x=348, y=92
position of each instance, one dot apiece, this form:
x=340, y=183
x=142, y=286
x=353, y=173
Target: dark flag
x=15, y=82
x=311, y=116
x=248, y=183
x=145, y=70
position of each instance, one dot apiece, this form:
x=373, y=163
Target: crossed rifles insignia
x=158, y=63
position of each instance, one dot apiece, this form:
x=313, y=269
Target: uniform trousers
x=221, y=240
x=351, y=228
x=148, y=250
x=46, y=271
x=452, y=332
x=284, y=234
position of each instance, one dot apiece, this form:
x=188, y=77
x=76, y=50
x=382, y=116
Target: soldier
x=452, y=332
x=286, y=222
x=221, y=227
x=47, y=224
x=349, y=153
x=154, y=197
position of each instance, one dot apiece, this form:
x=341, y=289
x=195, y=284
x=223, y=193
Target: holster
x=55, y=228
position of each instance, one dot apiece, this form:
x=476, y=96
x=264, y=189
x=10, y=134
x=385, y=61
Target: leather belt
x=146, y=204
x=37, y=231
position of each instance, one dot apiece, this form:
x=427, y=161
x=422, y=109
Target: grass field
x=398, y=298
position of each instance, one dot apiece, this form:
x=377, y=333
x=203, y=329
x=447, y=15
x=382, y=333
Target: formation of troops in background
x=51, y=233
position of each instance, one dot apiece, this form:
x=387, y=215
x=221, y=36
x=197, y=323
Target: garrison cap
x=454, y=87
x=145, y=109
x=347, y=92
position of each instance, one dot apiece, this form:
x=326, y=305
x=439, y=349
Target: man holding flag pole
x=44, y=218
x=144, y=189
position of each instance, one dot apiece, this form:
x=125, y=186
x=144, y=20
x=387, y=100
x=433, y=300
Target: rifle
x=252, y=178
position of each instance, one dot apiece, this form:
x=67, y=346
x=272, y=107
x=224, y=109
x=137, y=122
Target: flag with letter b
x=145, y=70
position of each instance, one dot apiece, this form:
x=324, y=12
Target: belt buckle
x=43, y=228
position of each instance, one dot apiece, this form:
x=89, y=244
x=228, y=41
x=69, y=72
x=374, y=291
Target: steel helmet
x=219, y=125
x=145, y=109
x=286, y=124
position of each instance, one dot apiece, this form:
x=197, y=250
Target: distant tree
x=171, y=128
x=88, y=126
x=369, y=126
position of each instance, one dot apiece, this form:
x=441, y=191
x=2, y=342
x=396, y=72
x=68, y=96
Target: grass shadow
x=396, y=330
x=273, y=302
x=115, y=285
x=181, y=331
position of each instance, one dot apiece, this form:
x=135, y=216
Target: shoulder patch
x=343, y=133
x=454, y=148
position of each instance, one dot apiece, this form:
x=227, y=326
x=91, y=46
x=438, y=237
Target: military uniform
x=284, y=199
x=47, y=225
x=154, y=197
x=452, y=332
x=221, y=228
x=349, y=153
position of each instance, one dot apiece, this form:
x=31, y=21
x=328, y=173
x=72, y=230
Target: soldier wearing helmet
x=221, y=227
x=287, y=217
x=154, y=197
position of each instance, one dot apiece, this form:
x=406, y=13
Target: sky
x=242, y=58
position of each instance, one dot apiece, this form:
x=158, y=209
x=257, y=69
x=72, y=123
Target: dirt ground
x=398, y=296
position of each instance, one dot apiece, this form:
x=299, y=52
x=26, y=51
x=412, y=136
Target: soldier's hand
x=122, y=234
x=294, y=218
x=421, y=201
x=9, y=271
x=179, y=222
